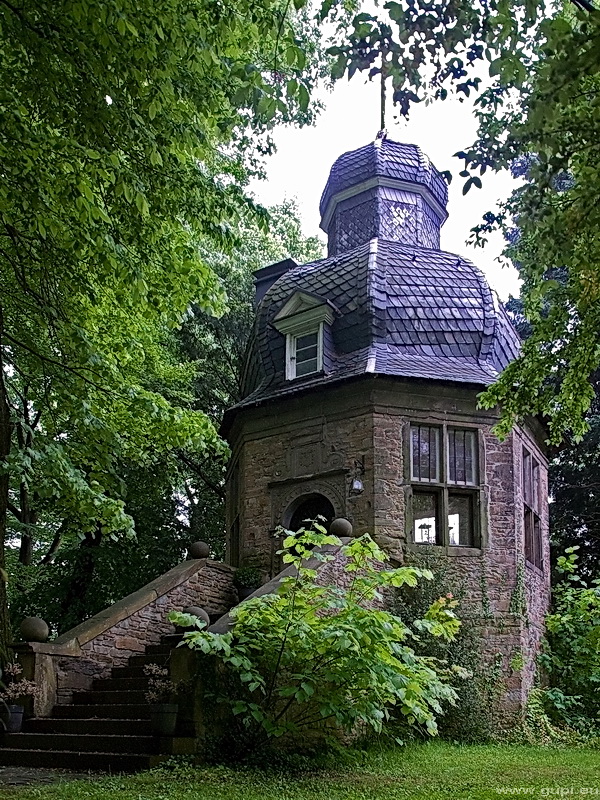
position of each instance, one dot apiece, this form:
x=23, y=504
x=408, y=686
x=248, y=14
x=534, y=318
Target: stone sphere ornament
x=341, y=527
x=198, y=550
x=34, y=629
x=198, y=612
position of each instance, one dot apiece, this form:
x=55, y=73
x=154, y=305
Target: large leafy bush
x=572, y=657
x=327, y=655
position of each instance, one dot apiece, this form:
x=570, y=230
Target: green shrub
x=247, y=578
x=572, y=653
x=476, y=715
x=326, y=656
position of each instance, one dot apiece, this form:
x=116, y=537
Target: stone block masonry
x=317, y=444
x=90, y=650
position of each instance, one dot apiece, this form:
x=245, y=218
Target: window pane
x=535, y=486
x=533, y=538
x=307, y=354
x=527, y=478
x=306, y=367
x=304, y=353
x=529, y=534
x=424, y=445
x=537, y=543
x=310, y=340
x=425, y=516
x=462, y=459
x=460, y=520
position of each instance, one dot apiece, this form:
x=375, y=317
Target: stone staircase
x=106, y=728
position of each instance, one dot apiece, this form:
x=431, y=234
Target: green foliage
x=553, y=719
x=314, y=654
x=436, y=771
x=81, y=580
x=572, y=657
x=247, y=578
x=552, y=142
x=475, y=715
x=574, y=481
x=137, y=125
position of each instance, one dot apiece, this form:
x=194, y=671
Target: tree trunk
x=28, y=517
x=5, y=442
x=74, y=605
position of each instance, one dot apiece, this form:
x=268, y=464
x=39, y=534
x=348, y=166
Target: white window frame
x=302, y=315
x=290, y=352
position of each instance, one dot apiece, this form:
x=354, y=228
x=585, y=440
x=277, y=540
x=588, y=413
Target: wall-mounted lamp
x=356, y=486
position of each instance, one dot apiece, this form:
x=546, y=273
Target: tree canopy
x=128, y=131
x=176, y=496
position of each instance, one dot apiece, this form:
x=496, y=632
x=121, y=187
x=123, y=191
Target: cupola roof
x=386, y=161
x=397, y=307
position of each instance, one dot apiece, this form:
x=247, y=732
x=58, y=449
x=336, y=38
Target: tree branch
x=55, y=543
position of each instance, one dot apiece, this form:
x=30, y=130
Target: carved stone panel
x=308, y=457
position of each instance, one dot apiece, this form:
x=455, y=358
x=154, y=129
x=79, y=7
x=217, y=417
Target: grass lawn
x=435, y=771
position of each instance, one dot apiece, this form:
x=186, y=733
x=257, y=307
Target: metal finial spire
x=383, y=79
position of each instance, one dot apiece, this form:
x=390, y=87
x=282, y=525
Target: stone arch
x=287, y=496
x=307, y=506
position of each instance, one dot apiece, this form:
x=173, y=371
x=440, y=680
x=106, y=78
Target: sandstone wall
x=314, y=444
x=108, y=639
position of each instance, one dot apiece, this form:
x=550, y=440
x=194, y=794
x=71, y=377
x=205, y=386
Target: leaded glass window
x=462, y=457
x=425, y=517
x=425, y=453
x=532, y=510
x=447, y=459
x=460, y=519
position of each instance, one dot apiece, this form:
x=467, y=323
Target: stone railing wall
x=108, y=639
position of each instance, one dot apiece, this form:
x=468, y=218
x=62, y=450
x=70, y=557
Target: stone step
x=100, y=727
x=119, y=698
x=67, y=759
x=170, y=640
x=137, y=661
x=158, y=649
x=104, y=711
x=128, y=672
x=78, y=743
x=120, y=684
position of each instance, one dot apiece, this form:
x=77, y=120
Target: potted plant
x=16, y=688
x=247, y=580
x=159, y=695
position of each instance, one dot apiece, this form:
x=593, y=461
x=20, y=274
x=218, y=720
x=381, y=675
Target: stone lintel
x=293, y=480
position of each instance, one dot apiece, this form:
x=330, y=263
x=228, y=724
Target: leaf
x=141, y=204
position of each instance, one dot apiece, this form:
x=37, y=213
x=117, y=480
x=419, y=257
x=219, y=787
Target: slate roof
x=384, y=158
x=402, y=311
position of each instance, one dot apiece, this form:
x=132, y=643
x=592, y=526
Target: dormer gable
x=303, y=310
x=301, y=321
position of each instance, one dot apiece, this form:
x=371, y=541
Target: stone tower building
x=360, y=401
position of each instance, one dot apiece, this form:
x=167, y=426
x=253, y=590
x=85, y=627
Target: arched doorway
x=309, y=506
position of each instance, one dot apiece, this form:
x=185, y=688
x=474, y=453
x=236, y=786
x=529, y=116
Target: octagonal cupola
x=387, y=190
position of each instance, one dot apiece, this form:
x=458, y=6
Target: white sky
x=350, y=119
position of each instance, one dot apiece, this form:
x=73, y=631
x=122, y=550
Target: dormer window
x=301, y=321
x=306, y=354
